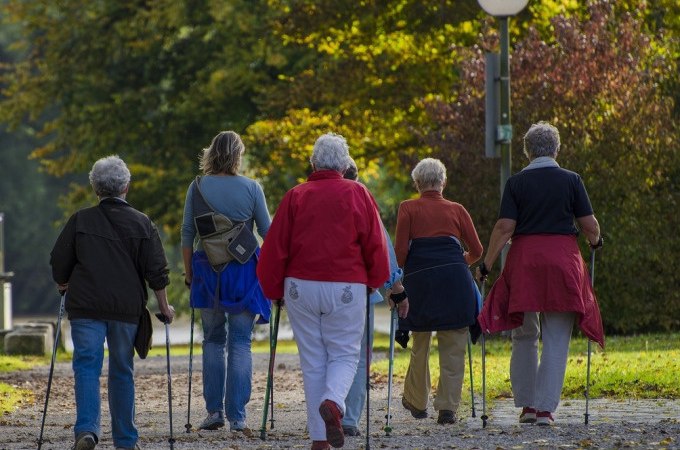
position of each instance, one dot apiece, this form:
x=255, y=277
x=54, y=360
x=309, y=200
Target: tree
x=601, y=81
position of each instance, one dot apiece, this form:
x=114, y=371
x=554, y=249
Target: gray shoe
x=214, y=421
x=85, y=441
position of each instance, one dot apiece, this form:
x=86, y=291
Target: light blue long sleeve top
x=235, y=196
x=395, y=272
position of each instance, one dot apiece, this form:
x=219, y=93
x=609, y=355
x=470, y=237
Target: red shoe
x=544, y=418
x=331, y=415
x=528, y=415
x=320, y=445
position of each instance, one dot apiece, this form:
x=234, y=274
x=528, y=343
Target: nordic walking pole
x=393, y=329
x=191, y=366
x=368, y=368
x=54, y=355
x=472, y=385
x=484, y=416
x=592, y=284
x=272, y=346
x=164, y=319
x=273, y=336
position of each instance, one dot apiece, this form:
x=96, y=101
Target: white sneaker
x=213, y=421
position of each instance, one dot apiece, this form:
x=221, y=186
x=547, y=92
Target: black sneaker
x=85, y=441
x=415, y=412
x=350, y=430
x=446, y=417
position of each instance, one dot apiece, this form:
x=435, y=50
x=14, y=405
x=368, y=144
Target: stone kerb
x=30, y=338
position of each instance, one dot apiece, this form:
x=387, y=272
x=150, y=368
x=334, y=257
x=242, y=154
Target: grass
x=632, y=367
x=642, y=366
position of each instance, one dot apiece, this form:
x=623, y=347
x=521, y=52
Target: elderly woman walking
x=229, y=297
x=435, y=243
x=104, y=258
x=324, y=249
x=544, y=287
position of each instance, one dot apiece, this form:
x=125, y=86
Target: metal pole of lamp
x=504, y=136
x=503, y=10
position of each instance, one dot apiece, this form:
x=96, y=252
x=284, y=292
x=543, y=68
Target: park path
x=613, y=424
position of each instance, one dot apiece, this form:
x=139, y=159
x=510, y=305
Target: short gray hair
x=331, y=152
x=109, y=176
x=429, y=174
x=542, y=139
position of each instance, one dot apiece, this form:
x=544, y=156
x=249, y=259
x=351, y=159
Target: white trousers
x=328, y=320
x=533, y=384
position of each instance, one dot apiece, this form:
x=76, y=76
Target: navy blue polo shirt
x=545, y=201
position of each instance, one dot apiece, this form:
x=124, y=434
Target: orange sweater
x=432, y=215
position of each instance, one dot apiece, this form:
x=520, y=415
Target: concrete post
x=5, y=285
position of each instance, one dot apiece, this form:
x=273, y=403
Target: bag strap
x=201, y=205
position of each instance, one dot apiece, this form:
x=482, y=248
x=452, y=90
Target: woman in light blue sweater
x=230, y=310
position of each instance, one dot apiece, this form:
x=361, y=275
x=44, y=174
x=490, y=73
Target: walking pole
x=191, y=366
x=273, y=337
x=368, y=368
x=393, y=329
x=164, y=319
x=592, y=284
x=273, y=340
x=472, y=385
x=54, y=355
x=484, y=416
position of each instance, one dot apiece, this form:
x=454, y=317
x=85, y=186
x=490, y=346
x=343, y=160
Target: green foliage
x=400, y=79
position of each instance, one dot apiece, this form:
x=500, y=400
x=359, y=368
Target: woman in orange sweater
x=436, y=242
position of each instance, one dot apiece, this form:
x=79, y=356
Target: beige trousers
x=417, y=385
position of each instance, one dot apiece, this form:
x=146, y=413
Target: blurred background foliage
x=400, y=79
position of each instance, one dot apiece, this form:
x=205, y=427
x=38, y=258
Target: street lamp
x=502, y=134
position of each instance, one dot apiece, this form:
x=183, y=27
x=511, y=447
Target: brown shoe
x=320, y=445
x=331, y=415
x=415, y=412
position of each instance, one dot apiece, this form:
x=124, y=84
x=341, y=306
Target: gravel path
x=627, y=424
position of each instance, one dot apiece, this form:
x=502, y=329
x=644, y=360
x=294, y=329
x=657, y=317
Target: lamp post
x=503, y=10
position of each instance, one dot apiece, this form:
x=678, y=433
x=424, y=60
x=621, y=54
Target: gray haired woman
x=544, y=287
x=325, y=247
x=104, y=258
x=435, y=243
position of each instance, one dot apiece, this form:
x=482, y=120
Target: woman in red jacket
x=544, y=287
x=324, y=248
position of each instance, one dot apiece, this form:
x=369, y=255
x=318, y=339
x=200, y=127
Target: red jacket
x=542, y=273
x=327, y=229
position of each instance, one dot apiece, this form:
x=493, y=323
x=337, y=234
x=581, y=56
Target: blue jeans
x=227, y=363
x=356, y=397
x=88, y=356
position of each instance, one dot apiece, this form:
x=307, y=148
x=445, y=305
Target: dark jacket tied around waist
x=439, y=285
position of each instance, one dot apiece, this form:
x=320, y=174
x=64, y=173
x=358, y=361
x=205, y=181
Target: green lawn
x=644, y=366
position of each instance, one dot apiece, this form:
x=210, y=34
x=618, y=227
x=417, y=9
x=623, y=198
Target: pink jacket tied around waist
x=542, y=273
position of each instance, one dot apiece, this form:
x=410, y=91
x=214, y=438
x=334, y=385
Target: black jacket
x=107, y=254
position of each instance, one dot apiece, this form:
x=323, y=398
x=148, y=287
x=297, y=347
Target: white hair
x=109, y=176
x=331, y=152
x=542, y=139
x=429, y=174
